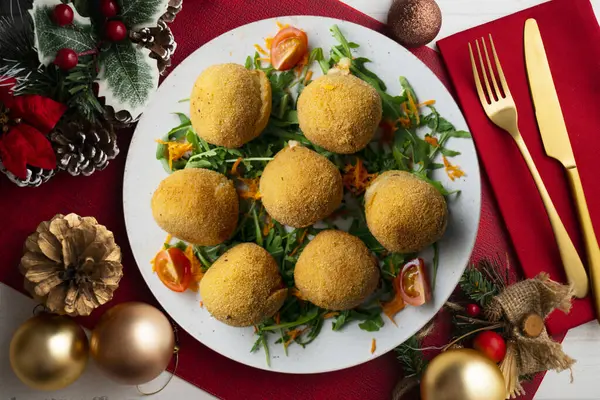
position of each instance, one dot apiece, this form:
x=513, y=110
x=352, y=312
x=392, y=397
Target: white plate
x=332, y=350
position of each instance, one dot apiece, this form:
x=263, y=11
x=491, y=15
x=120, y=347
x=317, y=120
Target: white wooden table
x=582, y=343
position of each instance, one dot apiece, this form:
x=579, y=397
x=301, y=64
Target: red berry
x=63, y=15
x=66, y=59
x=116, y=31
x=491, y=345
x=473, y=310
x=109, y=8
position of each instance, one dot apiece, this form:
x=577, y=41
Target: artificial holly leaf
x=127, y=78
x=138, y=14
x=49, y=37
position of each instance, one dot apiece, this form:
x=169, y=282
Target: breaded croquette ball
x=339, y=113
x=230, y=105
x=300, y=187
x=196, y=205
x=336, y=271
x=243, y=287
x=405, y=213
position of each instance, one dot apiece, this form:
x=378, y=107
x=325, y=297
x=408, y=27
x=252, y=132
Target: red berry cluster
x=115, y=30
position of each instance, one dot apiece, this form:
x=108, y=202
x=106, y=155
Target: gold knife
x=556, y=142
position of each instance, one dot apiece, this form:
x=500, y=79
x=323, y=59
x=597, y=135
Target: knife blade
x=556, y=141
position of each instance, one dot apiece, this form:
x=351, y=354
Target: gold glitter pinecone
x=71, y=264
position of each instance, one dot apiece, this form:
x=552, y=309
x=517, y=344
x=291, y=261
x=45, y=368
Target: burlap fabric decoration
x=526, y=354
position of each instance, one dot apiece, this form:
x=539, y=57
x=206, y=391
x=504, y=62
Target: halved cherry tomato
x=414, y=285
x=288, y=47
x=173, y=269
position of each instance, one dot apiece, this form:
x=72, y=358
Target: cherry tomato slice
x=414, y=285
x=173, y=269
x=288, y=48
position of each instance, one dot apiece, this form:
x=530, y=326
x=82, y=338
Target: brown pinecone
x=83, y=147
x=159, y=40
x=174, y=8
x=35, y=176
x=71, y=264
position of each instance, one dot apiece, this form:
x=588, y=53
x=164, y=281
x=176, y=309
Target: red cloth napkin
x=572, y=39
x=22, y=209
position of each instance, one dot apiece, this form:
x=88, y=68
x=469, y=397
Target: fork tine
x=499, y=68
x=477, y=79
x=491, y=70
x=483, y=69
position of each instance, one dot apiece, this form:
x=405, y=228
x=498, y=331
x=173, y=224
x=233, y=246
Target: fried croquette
x=196, y=205
x=340, y=113
x=336, y=271
x=405, y=213
x=230, y=105
x=243, y=287
x=300, y=187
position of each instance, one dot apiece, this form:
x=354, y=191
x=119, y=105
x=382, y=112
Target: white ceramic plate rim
x=183, y=308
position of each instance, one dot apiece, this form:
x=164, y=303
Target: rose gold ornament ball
x=133, y=343
x=414, y=23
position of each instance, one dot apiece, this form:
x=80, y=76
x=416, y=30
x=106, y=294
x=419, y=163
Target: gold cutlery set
x=500, y=108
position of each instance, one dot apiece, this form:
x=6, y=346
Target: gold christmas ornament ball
x=462, y=374
x=49, y=352
x=414, y=23
x=132, y=343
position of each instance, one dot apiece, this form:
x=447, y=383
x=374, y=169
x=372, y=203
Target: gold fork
x=501, y=110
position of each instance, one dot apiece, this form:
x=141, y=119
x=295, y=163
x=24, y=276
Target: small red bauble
x=66, y=59
x=116, y=31
x=109, y=8
x=63, y=15
x=491, y=345
x=473, y=310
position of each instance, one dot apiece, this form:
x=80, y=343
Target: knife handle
x=572, y=264
x=589, y=237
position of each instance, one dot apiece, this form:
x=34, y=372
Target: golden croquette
x=196, y=205
x=405, y=213
x=336, y=271
x=243, y=287
x=230, y=105
x=300, y=187
x=340, y=113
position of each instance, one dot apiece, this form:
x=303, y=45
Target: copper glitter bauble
x=414, y=23
x=133, y=343
x=462, y=374
x=49, y=352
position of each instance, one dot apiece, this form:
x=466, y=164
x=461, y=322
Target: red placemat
x=572, y=40
x=21, y=210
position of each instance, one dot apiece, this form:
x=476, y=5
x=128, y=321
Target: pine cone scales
x=35, y=176
x=82, y=147
x=72, y=264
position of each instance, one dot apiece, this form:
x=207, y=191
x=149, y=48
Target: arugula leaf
x=337, y=34
x=372, y=325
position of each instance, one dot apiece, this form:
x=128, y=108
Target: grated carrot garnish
x=404, y=121
x=168, y=239
x=309, y=75
x=281, y=26
x=296, y=293
x=265, y=59
x=277, y=318
x=252, y=189
x=175, y=150
x=201, y=304
x=331, y=314
x=268, y=225
x=356, y=178
x=432, y=140
x=453, y=171
x=413, y=108
x=394, y=306
x=293, y=335
x=426, y=103
x=373, y=346
x=196, y=267
x=260, y=50
x=235, y=166
x=268, y=43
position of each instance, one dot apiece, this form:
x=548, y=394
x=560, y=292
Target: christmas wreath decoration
x=71, y=73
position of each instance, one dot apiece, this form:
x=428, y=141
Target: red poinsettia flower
x=24, y=122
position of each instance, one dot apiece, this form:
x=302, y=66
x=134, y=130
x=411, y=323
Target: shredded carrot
x=277, y=318
x=260, y=50
x=235, y=166
x=251, y=191
x=373, y=346
x=413, y=107
x=296, y=293
x=201, y=304
x=196, y=267
x=432, y=140
x=453, y=171
x=293, y=335
x=309, y=75
x=388, y=128
x=301, y=64
x=300, y=241
x=356, y=178
x=404, y=121
x=265, y=59
x=426, y=103
x=268, y=225
x=280, y=25
x=176, y=150
x=168, y=239
x=268, y=43
x=394, y=306
x=331, y=314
